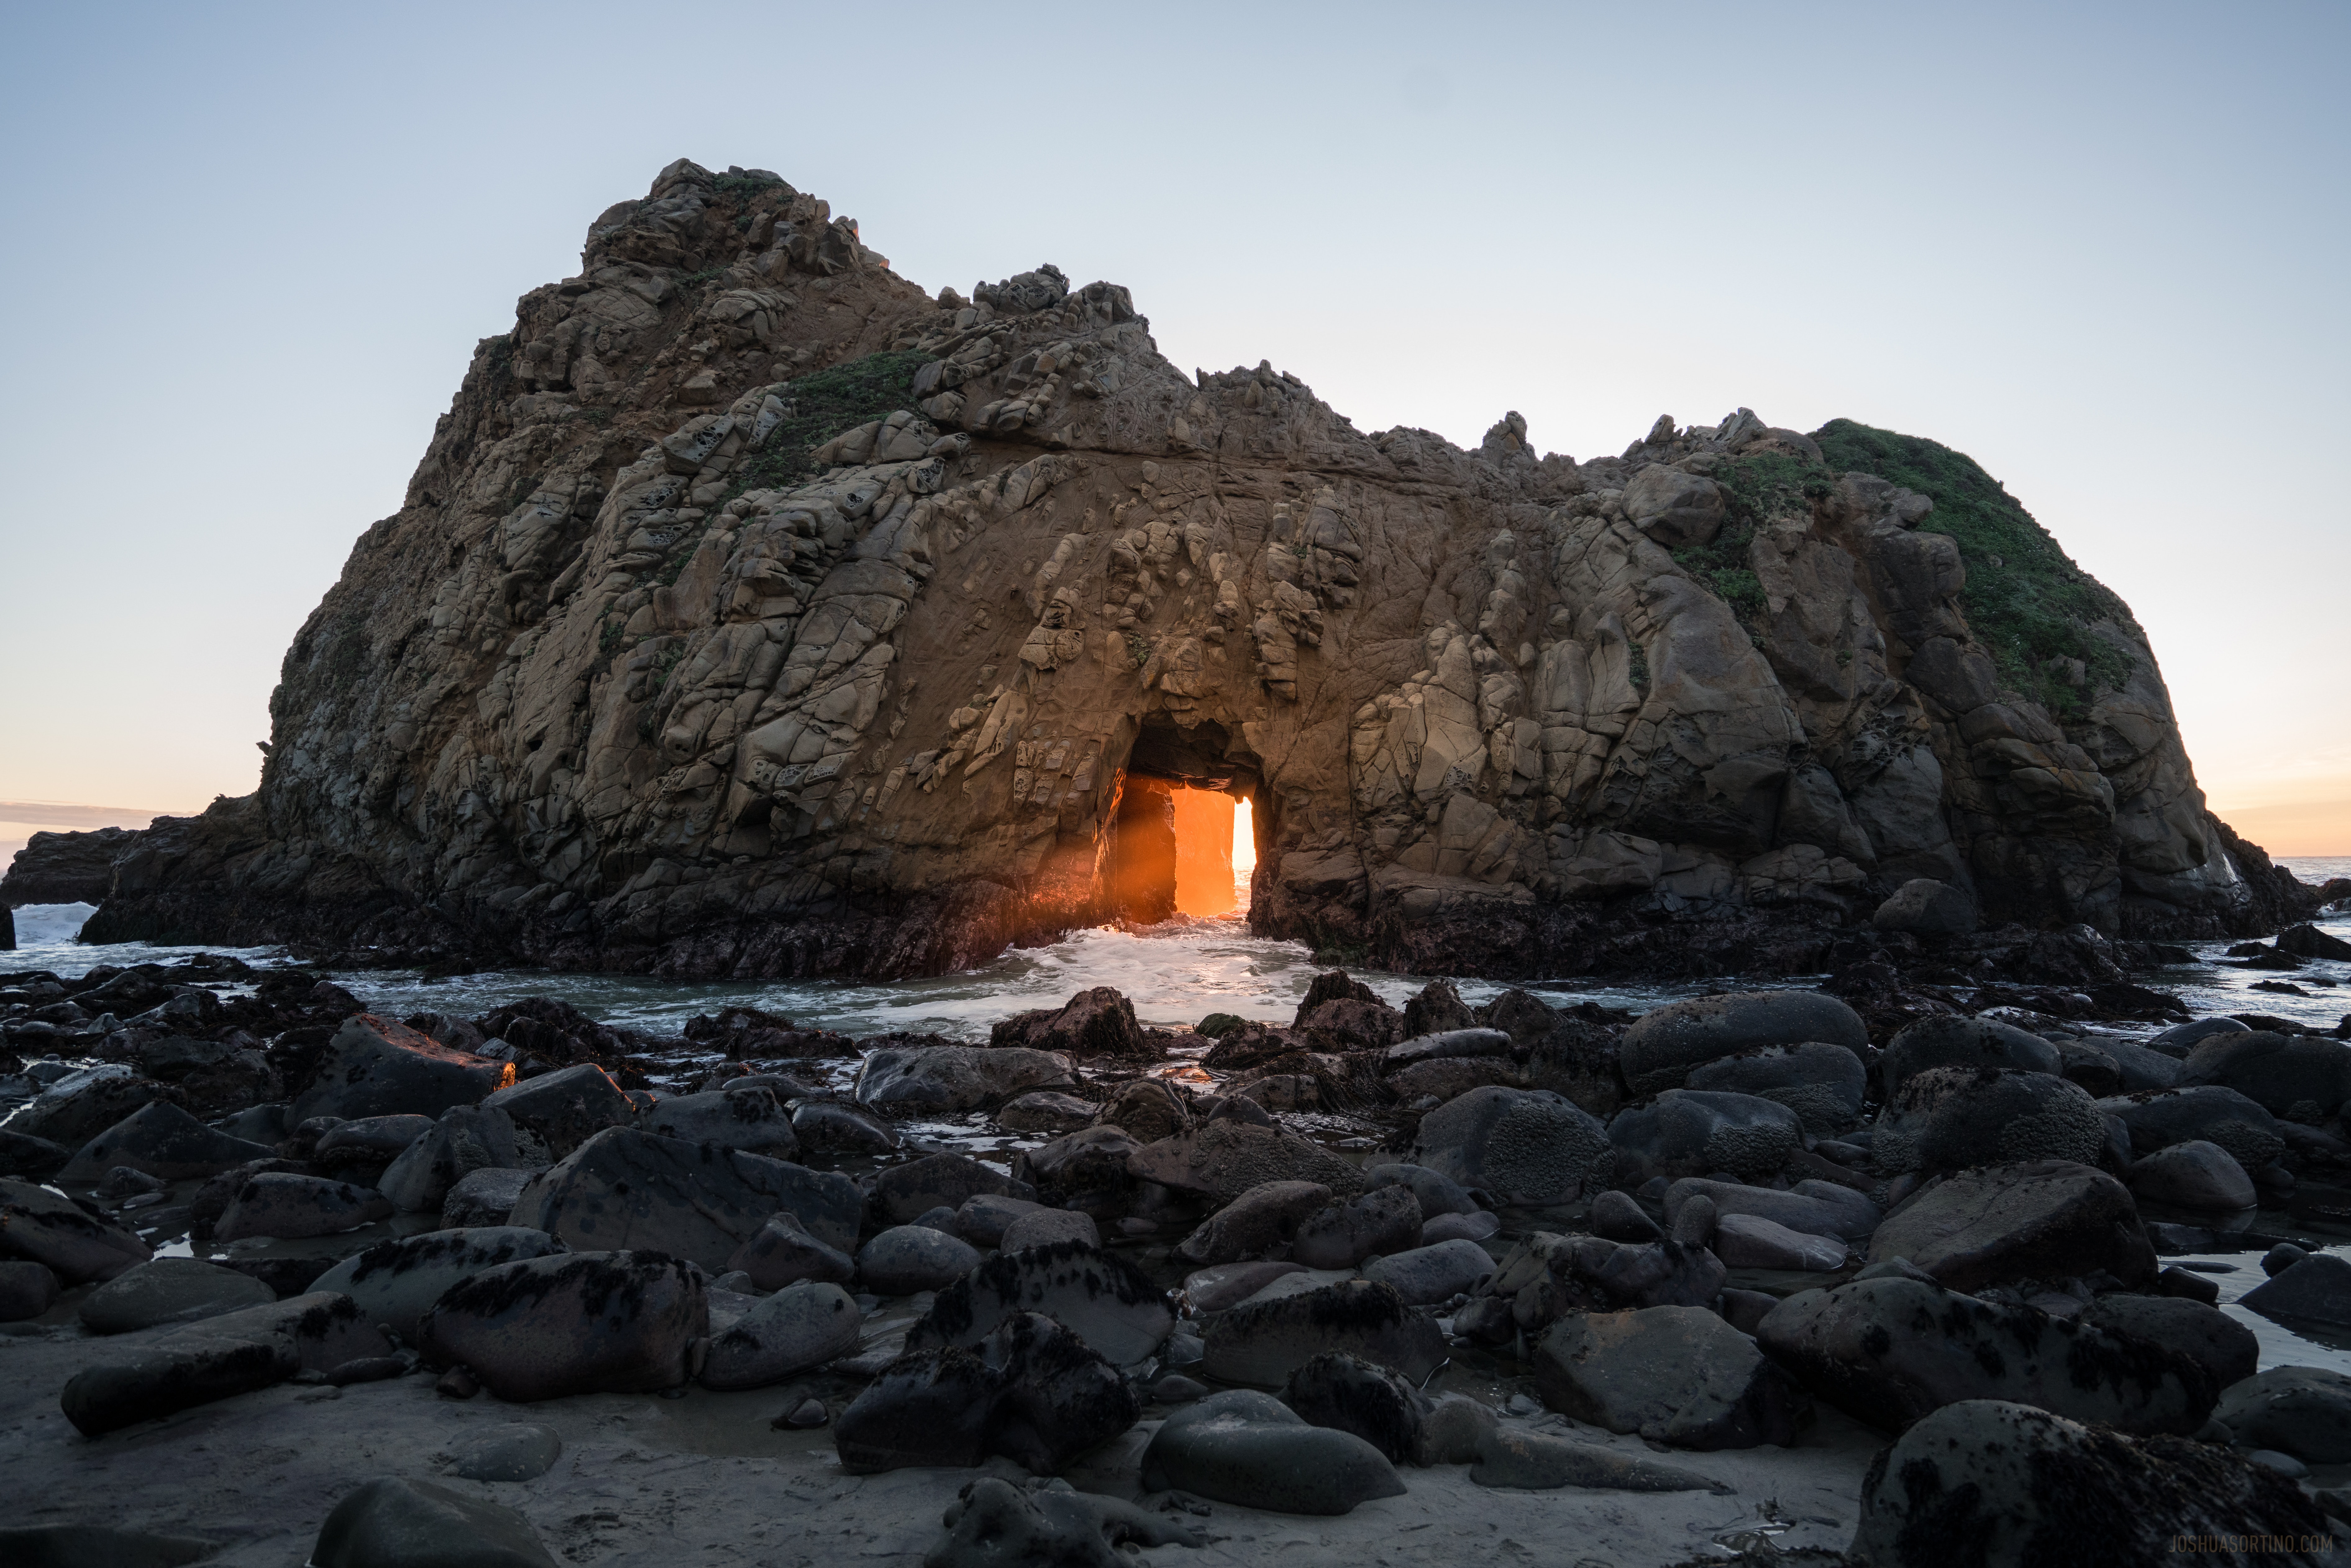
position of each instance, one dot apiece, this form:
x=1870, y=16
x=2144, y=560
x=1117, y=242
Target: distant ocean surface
x=1175, y=975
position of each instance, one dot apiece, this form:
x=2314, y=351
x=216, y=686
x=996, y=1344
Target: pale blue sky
x=2099, y=249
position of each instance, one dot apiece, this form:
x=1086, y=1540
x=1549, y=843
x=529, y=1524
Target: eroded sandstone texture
x=754, y=612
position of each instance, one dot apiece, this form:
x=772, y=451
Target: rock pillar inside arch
x=1204, y=853
x=1142, y=853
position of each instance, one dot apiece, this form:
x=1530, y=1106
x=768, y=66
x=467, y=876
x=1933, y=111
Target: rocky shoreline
x=1926, y=930
x=1820, y=1275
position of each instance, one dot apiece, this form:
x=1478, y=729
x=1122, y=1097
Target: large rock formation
x=754, y=612
x=65, y=868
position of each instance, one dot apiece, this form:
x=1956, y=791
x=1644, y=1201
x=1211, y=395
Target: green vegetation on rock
x=823, y=404
x=750, y=182
x=2025, y=599
x=1755, y=490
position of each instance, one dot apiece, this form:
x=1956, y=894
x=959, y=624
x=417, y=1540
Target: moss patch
x=824, y=404
x=1755, y=490
x=2025, y=599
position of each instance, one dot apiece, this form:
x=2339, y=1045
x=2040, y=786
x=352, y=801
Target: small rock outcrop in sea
x=754, y=612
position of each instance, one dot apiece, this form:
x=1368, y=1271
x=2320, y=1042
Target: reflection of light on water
x=1175, y=975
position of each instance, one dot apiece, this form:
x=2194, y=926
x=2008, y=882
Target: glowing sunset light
x=1206, y=835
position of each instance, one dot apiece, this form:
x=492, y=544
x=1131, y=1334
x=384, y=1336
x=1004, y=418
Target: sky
x=2099, y=249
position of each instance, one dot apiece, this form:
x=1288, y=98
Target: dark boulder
x=169, y=1291
x=375, y=1067
x=1992, y=1482
x=396, y=1282
x=1094, y=1023
x=903, y=1193
x=2305, y=1411
x=292, y=1208
x=1100, y=1296
x=396, y=1522
x=1370, y=1225
x=2316, y=1288
x=1435, y=1008
x=26, y=1290
x=466, y=1139
x=1824, y=1084
x=1029, y=1390
x=2210, y=1113
x=2223, y=1347
x=1946, y=1040
x=1525, y=1147
x=82, y=1105
x=1348, y=1393
x=1248, y=1448
x=1225, y=1158
x=1890, y=1349
x=2307, y=941
x=164, y=1141
x=994, y=1525
x=1086, y=1170
x=567, y=1107
x=1147, y=1110
x=73, y=1239
x=2195, y=1175
x=783, y=1253
x=1661, y=1047
x=2049, y=1219
x=1678, y=1375
x=1262, y=1343
x=934, y=1080
x=1257, y=1223
x=582, y=1323
x=1949, y=1118
x=2180, y=1038
x=1691, y=1132
x=219, y=1357
x=2301, y=1077
x=626, y=1189
x=800, y=1327
x=749, y=1119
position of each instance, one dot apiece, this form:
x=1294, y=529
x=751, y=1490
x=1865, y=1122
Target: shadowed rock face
x=64, y=868
x=753, y=613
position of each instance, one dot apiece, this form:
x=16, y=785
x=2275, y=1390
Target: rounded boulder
x=906, y=1259
x=1662, y=1046
x=1946, y=1040
x=1523, y=1146
x=1693, y=1132
x=1949, y=1118
x=585, y=1323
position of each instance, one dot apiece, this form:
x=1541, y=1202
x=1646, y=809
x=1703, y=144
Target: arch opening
x=1183, y=836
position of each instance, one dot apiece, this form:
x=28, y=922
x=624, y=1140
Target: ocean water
x=1175, y=975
